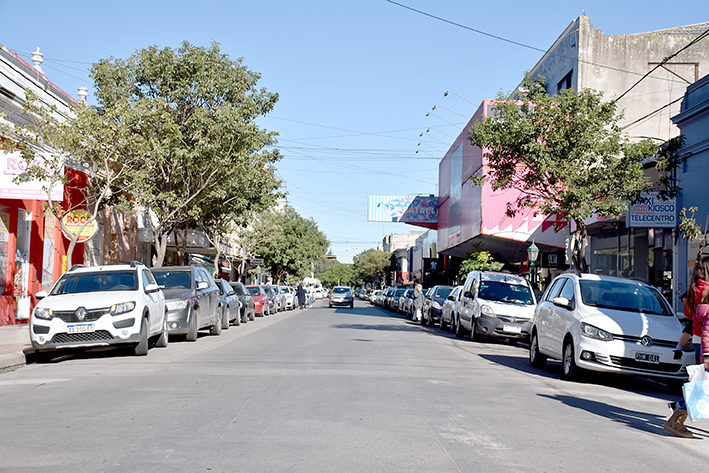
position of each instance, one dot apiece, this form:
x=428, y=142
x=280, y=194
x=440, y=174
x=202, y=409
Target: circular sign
x=76, y=219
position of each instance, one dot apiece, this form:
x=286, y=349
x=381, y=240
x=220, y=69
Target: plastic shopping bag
x=696, y=395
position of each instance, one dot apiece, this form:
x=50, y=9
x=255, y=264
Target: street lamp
x=452, y=111
x=431, y=113
x=532, y=255
x=445, y=94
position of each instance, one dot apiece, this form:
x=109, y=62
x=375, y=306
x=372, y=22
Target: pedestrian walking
x=417, y=302
x=697, y=293
x=300, y=292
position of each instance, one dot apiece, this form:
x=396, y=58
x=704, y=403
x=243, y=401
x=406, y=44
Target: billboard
x=651, y=212
x=402, y=208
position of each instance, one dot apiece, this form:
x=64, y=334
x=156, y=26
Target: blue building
x=693, y=122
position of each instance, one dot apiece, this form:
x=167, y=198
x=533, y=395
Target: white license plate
x=512, y=329
x=647, y=357
x=80, y=328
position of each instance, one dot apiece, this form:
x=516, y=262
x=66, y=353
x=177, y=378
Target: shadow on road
x=634, y=419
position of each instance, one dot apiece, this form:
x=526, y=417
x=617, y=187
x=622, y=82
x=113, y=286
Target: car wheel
x=225, y=319
x=459, y=330
x=217, y=327
x=330, y=305
x=571, y=370
x=141, y=348
x=536, y=358
x=252, y=316
x=194, y=327
x=474, y=335
x=452, y=325
x=42, y=357
x=352, y=306
x=164, y=335
x=237, y=320
x=441, y=323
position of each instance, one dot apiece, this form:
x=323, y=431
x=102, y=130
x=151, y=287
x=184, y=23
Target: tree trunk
x=578, y=258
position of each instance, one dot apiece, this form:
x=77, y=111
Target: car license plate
x=512, y=329
x=647, y=357
x=80, y=328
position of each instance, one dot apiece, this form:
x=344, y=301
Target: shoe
x=675, y=424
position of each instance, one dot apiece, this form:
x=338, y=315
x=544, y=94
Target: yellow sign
x=76, y=219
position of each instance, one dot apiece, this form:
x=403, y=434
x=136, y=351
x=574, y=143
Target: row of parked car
x=588, y=322
x=133, y=304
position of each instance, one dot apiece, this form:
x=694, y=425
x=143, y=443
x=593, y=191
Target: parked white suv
x=495, y=304
x=604, y=323
x=99, y=306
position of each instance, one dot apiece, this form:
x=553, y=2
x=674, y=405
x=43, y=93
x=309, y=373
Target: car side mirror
x=450, y=298
x=202, y=285
x=562, y=302
x=41, y=295
x=152, y=288
x=468, y=294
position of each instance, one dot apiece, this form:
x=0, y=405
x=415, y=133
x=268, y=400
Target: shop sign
x=652, y=212
x=75, y=220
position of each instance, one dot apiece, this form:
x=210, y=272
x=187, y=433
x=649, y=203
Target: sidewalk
x=14, y=345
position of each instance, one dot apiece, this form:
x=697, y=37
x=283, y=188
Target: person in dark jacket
x=301, y=296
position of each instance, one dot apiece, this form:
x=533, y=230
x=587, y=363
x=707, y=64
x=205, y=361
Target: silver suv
x=99, y=306
x=495, y=304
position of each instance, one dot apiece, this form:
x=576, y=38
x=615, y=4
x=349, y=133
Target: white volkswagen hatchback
x=604, y=323
x=99, y=306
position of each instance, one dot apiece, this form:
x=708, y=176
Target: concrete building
x=582, y=57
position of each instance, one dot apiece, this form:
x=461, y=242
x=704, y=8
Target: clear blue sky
x=355, y=78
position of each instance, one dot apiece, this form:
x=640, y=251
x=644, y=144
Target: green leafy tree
x=479, y=260
x=565, y=154
x=339, y=274
x=288, y=243
x=371, y=266
x=192, y=112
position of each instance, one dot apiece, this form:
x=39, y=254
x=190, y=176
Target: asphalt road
x=333, y=390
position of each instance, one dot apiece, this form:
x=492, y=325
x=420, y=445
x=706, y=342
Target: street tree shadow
x=643, y=421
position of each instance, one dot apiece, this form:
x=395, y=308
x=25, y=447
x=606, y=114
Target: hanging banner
x=402, y=208
x=74, y=220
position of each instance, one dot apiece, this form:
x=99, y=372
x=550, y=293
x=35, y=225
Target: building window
x=565, y=83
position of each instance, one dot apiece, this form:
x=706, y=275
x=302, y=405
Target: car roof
x=603, y=277
x=501, y=277
x=105, y=268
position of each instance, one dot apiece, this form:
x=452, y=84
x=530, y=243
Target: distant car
x=495, y=304
x=437, y=296
x=405, y=302
x=288, y=297
x=393, y=300
x=607, y=324
x=192, y=300
x=261, y=300
x=99, y=306
x=229, y=304
x=248, y=308
x=341, y=296
x=449, y=312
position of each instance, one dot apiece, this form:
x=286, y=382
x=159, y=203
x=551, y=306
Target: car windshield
x=399, y=292
x=173, y=279
x=239, y=291
x=254, y=290
x=96, y=282
x=284, y=290
x=505, y=292
x=621, y=296
x=341, y=290
x=443, y=292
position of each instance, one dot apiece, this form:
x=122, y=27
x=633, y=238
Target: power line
x=517, y=43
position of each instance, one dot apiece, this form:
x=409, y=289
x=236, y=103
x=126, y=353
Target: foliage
x=479, y=260
x=690, y=229
x=339, y=274
x=191, y=113
x=288, y=243
x=371, y=266
x=565, y=154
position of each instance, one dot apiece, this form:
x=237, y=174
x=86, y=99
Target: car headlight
x=436, y=305
x=487, y=311
x=43, y=313
x=594, y=332
x=176, y=305
x=122, y=308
